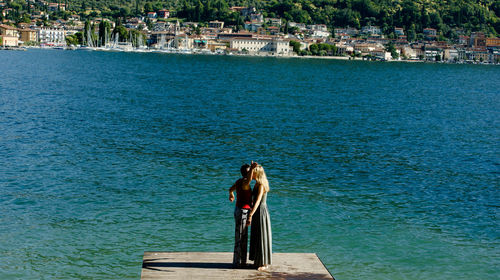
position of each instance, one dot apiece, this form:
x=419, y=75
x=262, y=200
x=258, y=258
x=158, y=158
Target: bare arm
x=256, y=203
x=232, y=189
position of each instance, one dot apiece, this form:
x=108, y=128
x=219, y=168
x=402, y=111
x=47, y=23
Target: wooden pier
x=202, y=265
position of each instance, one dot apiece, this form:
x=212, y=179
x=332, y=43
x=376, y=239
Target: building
x=451, y=55
x=430, y=33
x=477, y=40
x=398, y=31
x=74, y=18
x=151, y=15
x=477, y=55
x=248, y=11
x=9, y=36
x=273, y=30
x=462, y=54
x=381, y=53
x=6, y=12
x=28, y=35
x=134, y=23
x=492, y=42
x=52, y=36
x=253, y=26
x=215, y=46
x=216, y=24
x=432, y=53
x=237, y=8
x=53, y=7
x=227, y=37
x=495, y=56
x=257, y=18
x=371, y=30
x=350, y=31
x=274, y=21
x=319, y=34
x=408, y=52
x=163, y=14
x=463, y=40
x=271, y=46
x=365, y=48
x=343, y=50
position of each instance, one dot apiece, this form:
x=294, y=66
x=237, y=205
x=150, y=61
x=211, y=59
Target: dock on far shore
x=218, y=265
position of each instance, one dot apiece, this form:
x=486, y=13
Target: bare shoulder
x=241, y=182
x=261, y=187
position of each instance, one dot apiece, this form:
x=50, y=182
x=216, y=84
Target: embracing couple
x=251, y=209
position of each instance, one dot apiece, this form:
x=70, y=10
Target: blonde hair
x=261, y=178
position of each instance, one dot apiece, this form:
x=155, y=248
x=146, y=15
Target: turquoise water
x=385, y=170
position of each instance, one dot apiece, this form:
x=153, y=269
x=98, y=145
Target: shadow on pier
x=217, y=265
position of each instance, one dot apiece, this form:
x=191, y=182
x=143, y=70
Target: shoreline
x=344, y=58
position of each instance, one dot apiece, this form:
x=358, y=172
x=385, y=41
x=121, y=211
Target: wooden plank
x=212, y=265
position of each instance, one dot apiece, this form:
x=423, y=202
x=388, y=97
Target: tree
x=72, y=40
x=314, y=49
x=137, y=8
x=149, y=24
x=296, y=46
x=392, y=49
x=148, y=7
x=198, y=11
x=86, y=33
x=122, y=32
x=157, y=6
x=239, y=22
x=104, y=32
x=124, y=12
x=411, y=33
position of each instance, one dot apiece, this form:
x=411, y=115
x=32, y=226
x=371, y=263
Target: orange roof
x=7, y=27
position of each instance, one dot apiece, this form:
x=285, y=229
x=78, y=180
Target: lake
x=385, y=170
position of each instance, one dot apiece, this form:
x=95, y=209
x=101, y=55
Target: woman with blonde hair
x=260, y=234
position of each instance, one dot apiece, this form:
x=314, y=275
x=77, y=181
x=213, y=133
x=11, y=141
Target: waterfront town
x=162, y=31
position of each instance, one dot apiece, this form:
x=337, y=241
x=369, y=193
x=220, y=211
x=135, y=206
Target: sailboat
x=87, y=38
x=140, y=47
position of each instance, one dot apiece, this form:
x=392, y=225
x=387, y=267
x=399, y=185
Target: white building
x=371, y=30
x=216, y=24
x=52, y=36
x=318, y=27
x=348, y=31
x=382, y=54
x=300, y=26
x=274, y=21
x=253, y=26
x=261, y=46
x=320, y=34
x=451, y=54
x=409, y=52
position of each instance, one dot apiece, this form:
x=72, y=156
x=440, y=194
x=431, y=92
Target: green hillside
x=449, y=17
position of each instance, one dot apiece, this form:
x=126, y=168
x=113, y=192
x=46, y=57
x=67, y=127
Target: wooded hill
x=449, y=17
